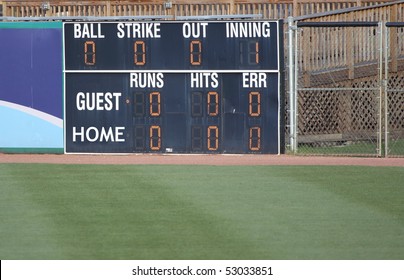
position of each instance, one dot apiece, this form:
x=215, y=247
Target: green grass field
x=201, y=212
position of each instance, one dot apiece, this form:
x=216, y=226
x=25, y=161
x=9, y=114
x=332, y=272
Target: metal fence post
x=292, y=78
x=381, y=82
x=385, y=84
x=295, y=102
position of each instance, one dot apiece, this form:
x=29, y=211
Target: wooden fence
x=274, y=9
x=332, y=48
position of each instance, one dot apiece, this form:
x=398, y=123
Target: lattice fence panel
x=338, y=122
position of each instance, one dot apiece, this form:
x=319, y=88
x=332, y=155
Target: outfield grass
x=201, y=212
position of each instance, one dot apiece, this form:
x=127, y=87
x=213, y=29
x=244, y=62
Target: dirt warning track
x=198, y=159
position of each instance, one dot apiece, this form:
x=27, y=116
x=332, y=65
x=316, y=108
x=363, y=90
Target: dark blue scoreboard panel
x=181, y=87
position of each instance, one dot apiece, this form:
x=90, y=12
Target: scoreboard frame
x=165, y=100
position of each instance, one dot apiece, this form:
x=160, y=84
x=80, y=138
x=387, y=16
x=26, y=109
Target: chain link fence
x=340, y=102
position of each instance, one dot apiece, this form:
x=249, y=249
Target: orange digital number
x=89, y=52
x=139, y=48
x=213, y=138
x=155, y=104
x=254, y=106
x=255, y=138
x=195, y=52
x=155, y=138
x=213, y=103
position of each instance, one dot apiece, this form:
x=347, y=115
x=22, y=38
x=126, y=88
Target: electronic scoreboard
x=181, y=87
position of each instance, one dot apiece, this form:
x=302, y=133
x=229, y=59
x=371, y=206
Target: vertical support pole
x=381, y=81
x=291, y=84
x=351, y=50
x=232, y=7
x=393, y=39
x=295, y=8
x=295, y=102
x=385, y=83
x=108, y=8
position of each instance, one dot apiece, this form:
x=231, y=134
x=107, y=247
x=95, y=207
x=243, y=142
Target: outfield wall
x=224, y=97
x=31, y=87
